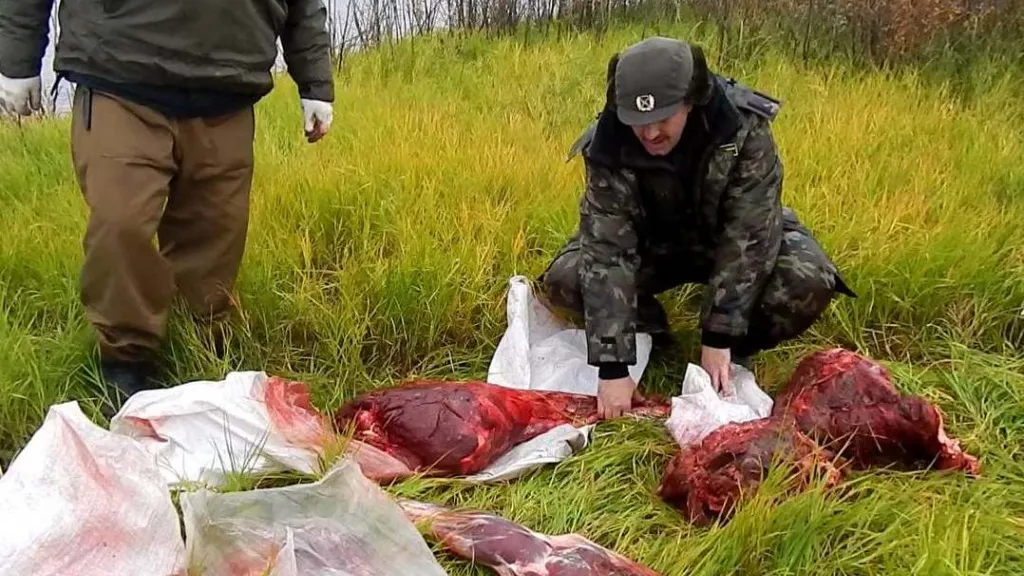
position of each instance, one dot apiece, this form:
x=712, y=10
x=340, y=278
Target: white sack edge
x=551, y=447
x=540, y=352
x=200, y=431
x=81, y=500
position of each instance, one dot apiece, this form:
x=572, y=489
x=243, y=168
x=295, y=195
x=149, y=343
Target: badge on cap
x=645, y=103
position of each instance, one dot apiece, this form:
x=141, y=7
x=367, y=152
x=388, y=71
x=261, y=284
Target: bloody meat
x=848, y=402
x=457, y=428
x=707, y=480
x=511, y=549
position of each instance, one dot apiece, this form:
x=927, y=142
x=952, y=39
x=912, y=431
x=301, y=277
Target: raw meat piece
x=514, y=550
x=293, y=416
x=459, y=428
x=376, y=464
x=705, y=480
x=848, y=402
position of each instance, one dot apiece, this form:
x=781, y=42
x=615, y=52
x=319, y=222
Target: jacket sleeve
x=749, y=241
x=24, y=34
x=608, y=265
x=306, y=48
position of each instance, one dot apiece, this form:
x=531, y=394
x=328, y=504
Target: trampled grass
x=384, y=253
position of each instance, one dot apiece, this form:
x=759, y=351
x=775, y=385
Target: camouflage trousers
x=798, y=291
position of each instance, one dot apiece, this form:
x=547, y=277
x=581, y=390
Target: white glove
x=317, y=116
x=20, y=95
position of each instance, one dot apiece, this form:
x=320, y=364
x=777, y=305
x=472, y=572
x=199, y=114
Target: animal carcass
x=707, y=479
x=458, y=428
x=514, y=550
x=848, y=403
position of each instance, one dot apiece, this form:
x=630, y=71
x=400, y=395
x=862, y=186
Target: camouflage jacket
x=725, y=222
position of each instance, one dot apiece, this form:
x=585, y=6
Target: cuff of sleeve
x=19, y=70
x=612, y=371
x=713, y=339
x=323, y=91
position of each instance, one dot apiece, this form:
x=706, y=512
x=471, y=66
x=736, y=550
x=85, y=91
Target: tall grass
x=384, y=251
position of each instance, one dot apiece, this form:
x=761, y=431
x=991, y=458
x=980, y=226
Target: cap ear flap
x=610, y=81
x=700, y=86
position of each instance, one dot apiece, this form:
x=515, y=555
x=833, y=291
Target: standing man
x=162, y=144
x=683, y=185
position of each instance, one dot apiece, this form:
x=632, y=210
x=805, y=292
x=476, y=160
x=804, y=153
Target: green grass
x=384, y=252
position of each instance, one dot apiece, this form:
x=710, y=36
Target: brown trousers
x=184, y=182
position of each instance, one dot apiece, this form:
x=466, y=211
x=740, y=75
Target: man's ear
x=610, y=81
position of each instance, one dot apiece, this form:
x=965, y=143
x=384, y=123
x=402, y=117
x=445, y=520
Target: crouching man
x=683, y=185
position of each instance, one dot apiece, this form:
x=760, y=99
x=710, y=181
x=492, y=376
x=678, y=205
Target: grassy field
x=384, y=253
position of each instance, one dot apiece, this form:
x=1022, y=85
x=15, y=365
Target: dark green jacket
x=724, y=220
x=226, y=45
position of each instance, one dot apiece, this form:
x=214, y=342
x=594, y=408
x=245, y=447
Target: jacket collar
x=615, y=144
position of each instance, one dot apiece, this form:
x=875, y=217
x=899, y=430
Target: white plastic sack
x=80, y=500
x=540, y=352
x=249, y=422
x=551, y=447
x=698, y=410
x=342, y=525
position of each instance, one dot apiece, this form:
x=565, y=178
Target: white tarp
x=551, y=447
x=699, y=410
x=341, y=525
x=540, y=352
x=246, y=423
x=80, y=500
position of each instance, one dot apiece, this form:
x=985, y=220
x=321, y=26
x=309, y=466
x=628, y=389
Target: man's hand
x=317, y=116
x=717, y=362
x=20, y=95
x=614, y=397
